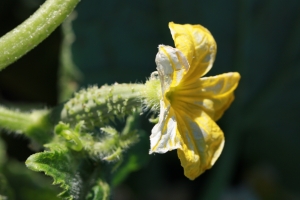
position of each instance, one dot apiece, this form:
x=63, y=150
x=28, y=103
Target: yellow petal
x=198, y=45
x=210, y=94
x=202, y=143
x=217, y=93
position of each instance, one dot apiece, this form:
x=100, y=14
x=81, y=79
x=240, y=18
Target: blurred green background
x=116, y=41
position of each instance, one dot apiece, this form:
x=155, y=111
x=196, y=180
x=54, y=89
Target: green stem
x=34, y=30
x=14, y=120
x=35, y=125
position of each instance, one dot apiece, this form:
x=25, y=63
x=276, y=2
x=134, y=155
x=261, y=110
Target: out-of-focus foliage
x=69, y=74
x=25, y=184
x=117, y=41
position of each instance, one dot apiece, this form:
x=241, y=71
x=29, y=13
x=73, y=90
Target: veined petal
x=217, y=93
x=171, y=65
x=202, y=143
x=210, y=94
x=198, y=45
x=165, y=136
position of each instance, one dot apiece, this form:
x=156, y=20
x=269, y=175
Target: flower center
x=170, y=94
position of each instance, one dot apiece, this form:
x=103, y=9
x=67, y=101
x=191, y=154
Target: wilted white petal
x=163, y=137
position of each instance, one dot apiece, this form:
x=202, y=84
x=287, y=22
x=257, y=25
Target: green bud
x=72, y=136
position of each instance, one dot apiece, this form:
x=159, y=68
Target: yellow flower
x=190, y=105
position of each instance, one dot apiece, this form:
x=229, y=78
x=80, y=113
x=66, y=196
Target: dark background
x=116, y=41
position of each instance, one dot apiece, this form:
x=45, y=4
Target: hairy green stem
x=34, y=30
x=35, y=124
x=14, y=120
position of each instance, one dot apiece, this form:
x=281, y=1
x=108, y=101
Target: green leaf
x=73, y=171
x=85, y=172
x=23, y=184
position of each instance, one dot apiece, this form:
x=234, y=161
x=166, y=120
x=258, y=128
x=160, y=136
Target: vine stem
x=34, y=30
x=33, y=124
x=14, y=120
